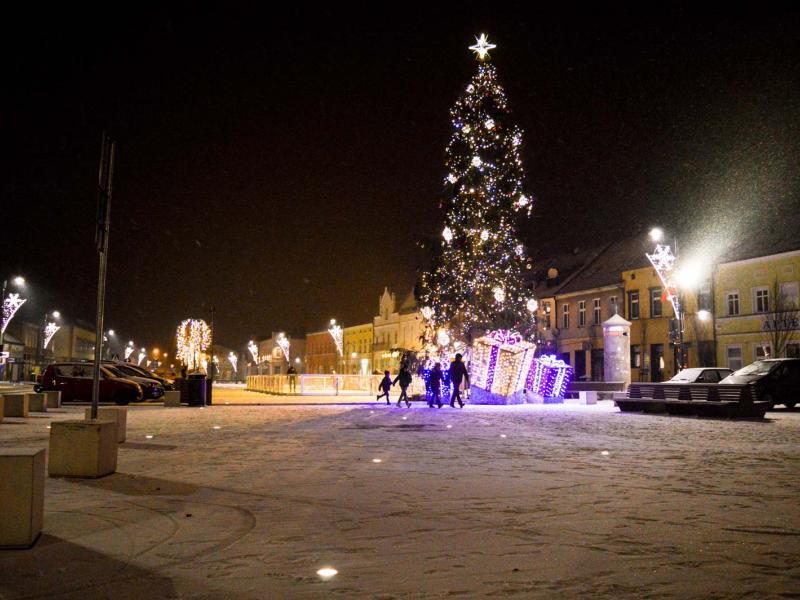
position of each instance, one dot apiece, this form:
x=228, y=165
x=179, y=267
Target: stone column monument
x=617, y=350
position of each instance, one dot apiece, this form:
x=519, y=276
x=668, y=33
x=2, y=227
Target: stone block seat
x=15, y=405
x=37, y=402
x=22, y=474
x=83, y=448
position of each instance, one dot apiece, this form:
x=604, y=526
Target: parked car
x=777, y=380
x=151, y=389
x=137, y=371
x=74, y=381
x=701, y=375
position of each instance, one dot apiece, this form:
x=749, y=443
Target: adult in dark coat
x=458, y=373
x=404, y=379
x=435, y=383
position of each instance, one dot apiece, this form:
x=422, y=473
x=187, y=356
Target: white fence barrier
x=326, y=385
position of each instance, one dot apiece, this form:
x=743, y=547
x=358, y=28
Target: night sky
x=284, y=165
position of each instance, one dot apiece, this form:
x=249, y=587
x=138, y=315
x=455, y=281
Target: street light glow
x=689, y=275
x=56, y=314
x=703, y=315
x=110, y=332
x=656, y=234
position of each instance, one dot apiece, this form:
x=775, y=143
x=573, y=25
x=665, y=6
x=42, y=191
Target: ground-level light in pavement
x=449, y=426
x=404, y=418
x=327, y=572
x=604, y=453
x=377, y=460
x=148, y=437
x=216, y=427
x=502, y=435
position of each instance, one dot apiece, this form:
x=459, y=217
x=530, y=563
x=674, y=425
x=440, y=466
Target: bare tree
x=782, y=322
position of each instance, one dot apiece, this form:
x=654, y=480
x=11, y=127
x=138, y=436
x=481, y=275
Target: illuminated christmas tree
x=475, y=281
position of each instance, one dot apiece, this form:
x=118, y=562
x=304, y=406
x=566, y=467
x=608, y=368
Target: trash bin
x=196, y=388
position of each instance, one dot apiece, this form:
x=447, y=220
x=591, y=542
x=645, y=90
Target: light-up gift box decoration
x=548, y=377
x=500, y=362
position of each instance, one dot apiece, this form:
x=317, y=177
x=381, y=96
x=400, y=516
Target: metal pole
x=104, y=180
x=2, y=319
x=213, y=367
x=681, y=357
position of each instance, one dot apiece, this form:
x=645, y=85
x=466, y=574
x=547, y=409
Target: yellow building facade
x=357, y=341
x=654, y=327
x=757, y=309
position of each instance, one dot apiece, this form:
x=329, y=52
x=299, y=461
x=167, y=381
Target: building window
x=733, y=355
x=596, y=307
x=633, y=305
x=582, y=313
x=792, y=350
x=704, y=298
x=655, y=302
x=789, y=295
x=636, y=357
x=546, y=309
x=565, y=316
x=762, y=351
x=761, y=300
x=732, y=300
x=613, y=307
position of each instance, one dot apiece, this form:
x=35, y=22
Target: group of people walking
x=457, y=374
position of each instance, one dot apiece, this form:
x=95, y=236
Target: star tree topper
x=482, y=47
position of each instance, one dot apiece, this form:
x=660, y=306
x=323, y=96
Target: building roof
x=409, y=305
x=607, y=267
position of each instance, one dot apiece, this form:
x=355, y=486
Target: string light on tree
x=192, y=339
x=483, y=203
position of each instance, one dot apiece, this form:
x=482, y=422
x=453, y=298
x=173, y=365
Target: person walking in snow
x=404, y=378
x=458, y=372
x=435, y=383
x=385, y=385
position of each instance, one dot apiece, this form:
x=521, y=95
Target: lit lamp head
x=55, y=314
x=703, y=315
x=656, y=234
x=689, y=275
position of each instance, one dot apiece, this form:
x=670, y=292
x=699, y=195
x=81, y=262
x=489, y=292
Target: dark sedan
x=777, y=380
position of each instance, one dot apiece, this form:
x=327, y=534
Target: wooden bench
x=733, y=401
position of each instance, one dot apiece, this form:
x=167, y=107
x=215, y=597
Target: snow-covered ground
x=511, y=502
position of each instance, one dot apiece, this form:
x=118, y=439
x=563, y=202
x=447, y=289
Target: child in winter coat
x=385, y=385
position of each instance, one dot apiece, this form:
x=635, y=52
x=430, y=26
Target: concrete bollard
x=21, y=496
x=37, y=403
x=172, y=398
x=15, y=405
x=53, y=399
x=82, y=448
x=118, y=414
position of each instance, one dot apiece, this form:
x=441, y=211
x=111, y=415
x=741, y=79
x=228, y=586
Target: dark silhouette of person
x=458, y=372
x=292, y=373
x=184, y=371
x=385, y=385
x=435, y=382
x=404, y=379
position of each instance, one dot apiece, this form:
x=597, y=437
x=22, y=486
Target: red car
x=74, y=381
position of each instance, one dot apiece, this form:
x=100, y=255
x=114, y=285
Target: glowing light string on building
x=663, y=261
x=49, y=331
x=192, y=338
x=233, y=359
x=336, y=333
x=10, y=307
x=284, y=344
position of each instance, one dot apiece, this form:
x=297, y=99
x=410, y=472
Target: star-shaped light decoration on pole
x=129, y=350
x=663, y=261
x=336, y=333
x=10, y=307
x=49, y=331
x=233, y=359
x=284, y=344
x=253, y=348
x=482, y=47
